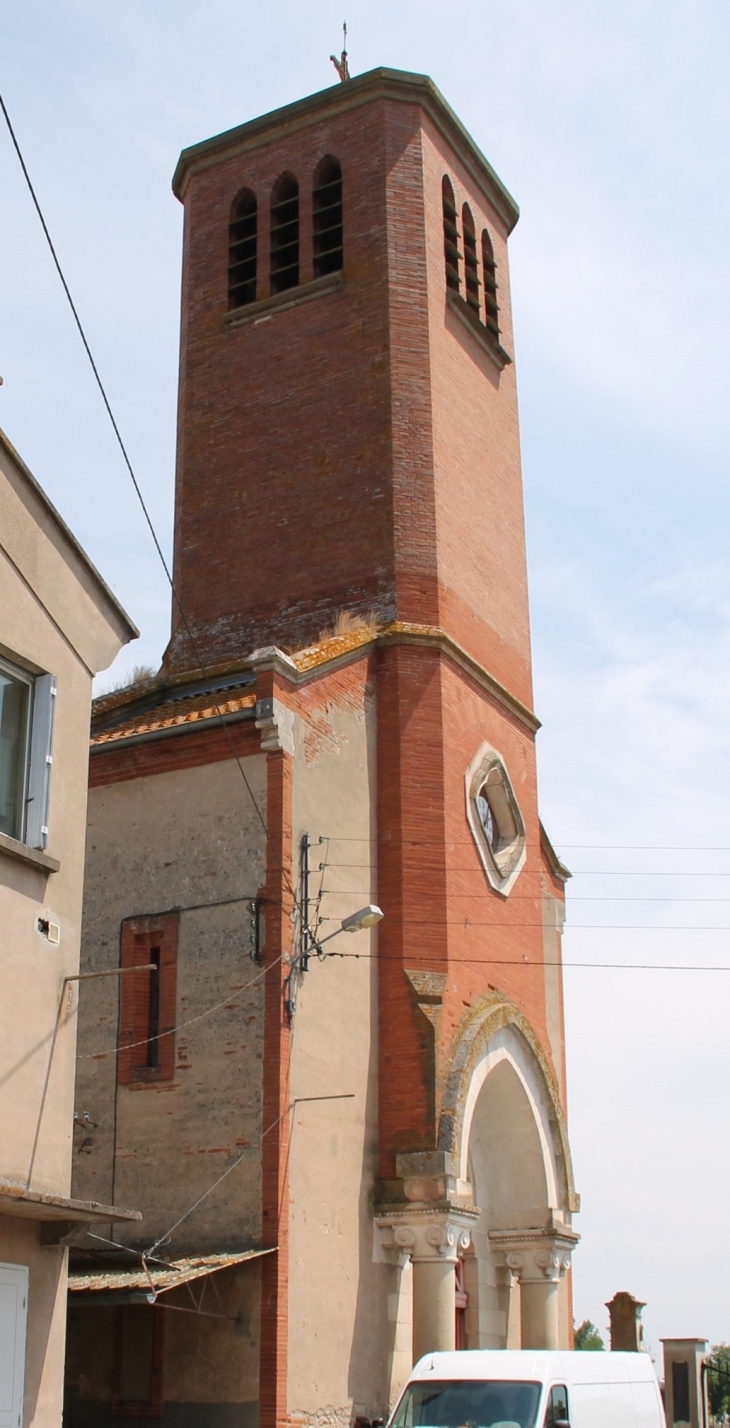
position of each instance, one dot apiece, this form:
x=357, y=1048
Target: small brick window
x=451, y=235
x=471, y=266
x=242, y=246
x=148, y=1000
x=285, y=234
x=327, y=218
x=137, y=1389
x=490, y=286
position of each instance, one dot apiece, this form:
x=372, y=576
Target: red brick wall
x=441, y=914
x=358, y=451
x=284, y=509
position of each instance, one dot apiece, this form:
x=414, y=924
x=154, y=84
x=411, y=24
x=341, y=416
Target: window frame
x=548, y=1418
x=502, y=862
x=140, y=938
x=21, y=778
x=37, y=759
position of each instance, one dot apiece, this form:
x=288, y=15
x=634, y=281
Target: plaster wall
x=57, y=617
x=339, y=1328
x=20, y=1244
x=51, y=620
x=187, y=839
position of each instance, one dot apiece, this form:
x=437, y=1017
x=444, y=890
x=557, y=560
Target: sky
x=609, y=124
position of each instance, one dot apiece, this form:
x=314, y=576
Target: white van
x=526, y=1388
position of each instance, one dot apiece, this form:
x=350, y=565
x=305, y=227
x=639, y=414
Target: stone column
x=538, y=1258
x=626, y=1327
x=434, y=1312
x=539, y=1314
x=433, y=1240
x=685, y=1387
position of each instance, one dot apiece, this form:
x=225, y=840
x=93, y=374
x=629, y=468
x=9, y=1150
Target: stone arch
x=502, y=1134
x=496, y=1040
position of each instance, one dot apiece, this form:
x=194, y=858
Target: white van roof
x=537, y=1365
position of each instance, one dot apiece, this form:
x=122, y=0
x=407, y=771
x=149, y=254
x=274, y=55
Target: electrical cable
x=298, y=1100
x=193, y=644
x=469, y=922
x=440, y=962
x=181, y=1026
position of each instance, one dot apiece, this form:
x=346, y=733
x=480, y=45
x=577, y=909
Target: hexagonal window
x=495, y=819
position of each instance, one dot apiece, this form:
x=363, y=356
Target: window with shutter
x=26, y=738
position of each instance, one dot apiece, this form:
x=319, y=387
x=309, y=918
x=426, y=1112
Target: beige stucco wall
x=339, y=1331
x=55, y=617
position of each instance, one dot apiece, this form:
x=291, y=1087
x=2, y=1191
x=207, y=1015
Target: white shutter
x=41, y=759
x=13, y=1315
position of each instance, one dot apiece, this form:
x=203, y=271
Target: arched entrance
x=503, y=1127
x=486, y=1215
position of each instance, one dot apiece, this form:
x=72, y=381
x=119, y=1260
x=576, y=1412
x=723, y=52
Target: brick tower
x=350, y=557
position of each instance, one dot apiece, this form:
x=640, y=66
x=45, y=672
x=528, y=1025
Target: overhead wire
x=182, y=1025
x=140, y=497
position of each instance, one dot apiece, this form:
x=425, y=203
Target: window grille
x=242, y=246
x=327, y=218
x=490, y=286
x=285, y=234
x=471, y=266
x=451, y=236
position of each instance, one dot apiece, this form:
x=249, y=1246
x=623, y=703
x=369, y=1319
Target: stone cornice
x=556, y=866
x=389, y=84
x=300, y=668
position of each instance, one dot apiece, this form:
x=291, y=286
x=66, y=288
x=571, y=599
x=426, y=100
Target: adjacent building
x=59, y=626
x=352, y=1150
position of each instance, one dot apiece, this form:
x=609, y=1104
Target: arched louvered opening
x=242, y=231
x=471, y=266
x=327, y=218
x=490, y=286
x=285, y=234
x=451, y=236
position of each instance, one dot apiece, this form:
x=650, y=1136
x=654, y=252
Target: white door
x=13, y=1315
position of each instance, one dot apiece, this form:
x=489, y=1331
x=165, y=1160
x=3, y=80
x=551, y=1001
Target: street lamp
x=356, y=922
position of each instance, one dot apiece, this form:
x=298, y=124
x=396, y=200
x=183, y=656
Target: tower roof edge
x=393, y=84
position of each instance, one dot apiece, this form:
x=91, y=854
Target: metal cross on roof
x=341, y=64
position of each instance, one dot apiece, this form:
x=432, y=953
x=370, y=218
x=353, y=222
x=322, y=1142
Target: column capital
x=535, y=1255
x=424, y=1235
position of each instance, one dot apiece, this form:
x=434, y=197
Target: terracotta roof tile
x=173, y=713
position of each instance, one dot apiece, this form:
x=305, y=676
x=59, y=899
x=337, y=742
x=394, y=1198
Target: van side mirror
x=561, y=1423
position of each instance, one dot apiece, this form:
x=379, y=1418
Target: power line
x=100, y=1055
x=193, y=644
x=438, y=963
x=592, y=847
x=507, y=926
x=298, y=1100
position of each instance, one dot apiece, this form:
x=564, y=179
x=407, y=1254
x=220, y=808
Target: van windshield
x=467, y=1403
